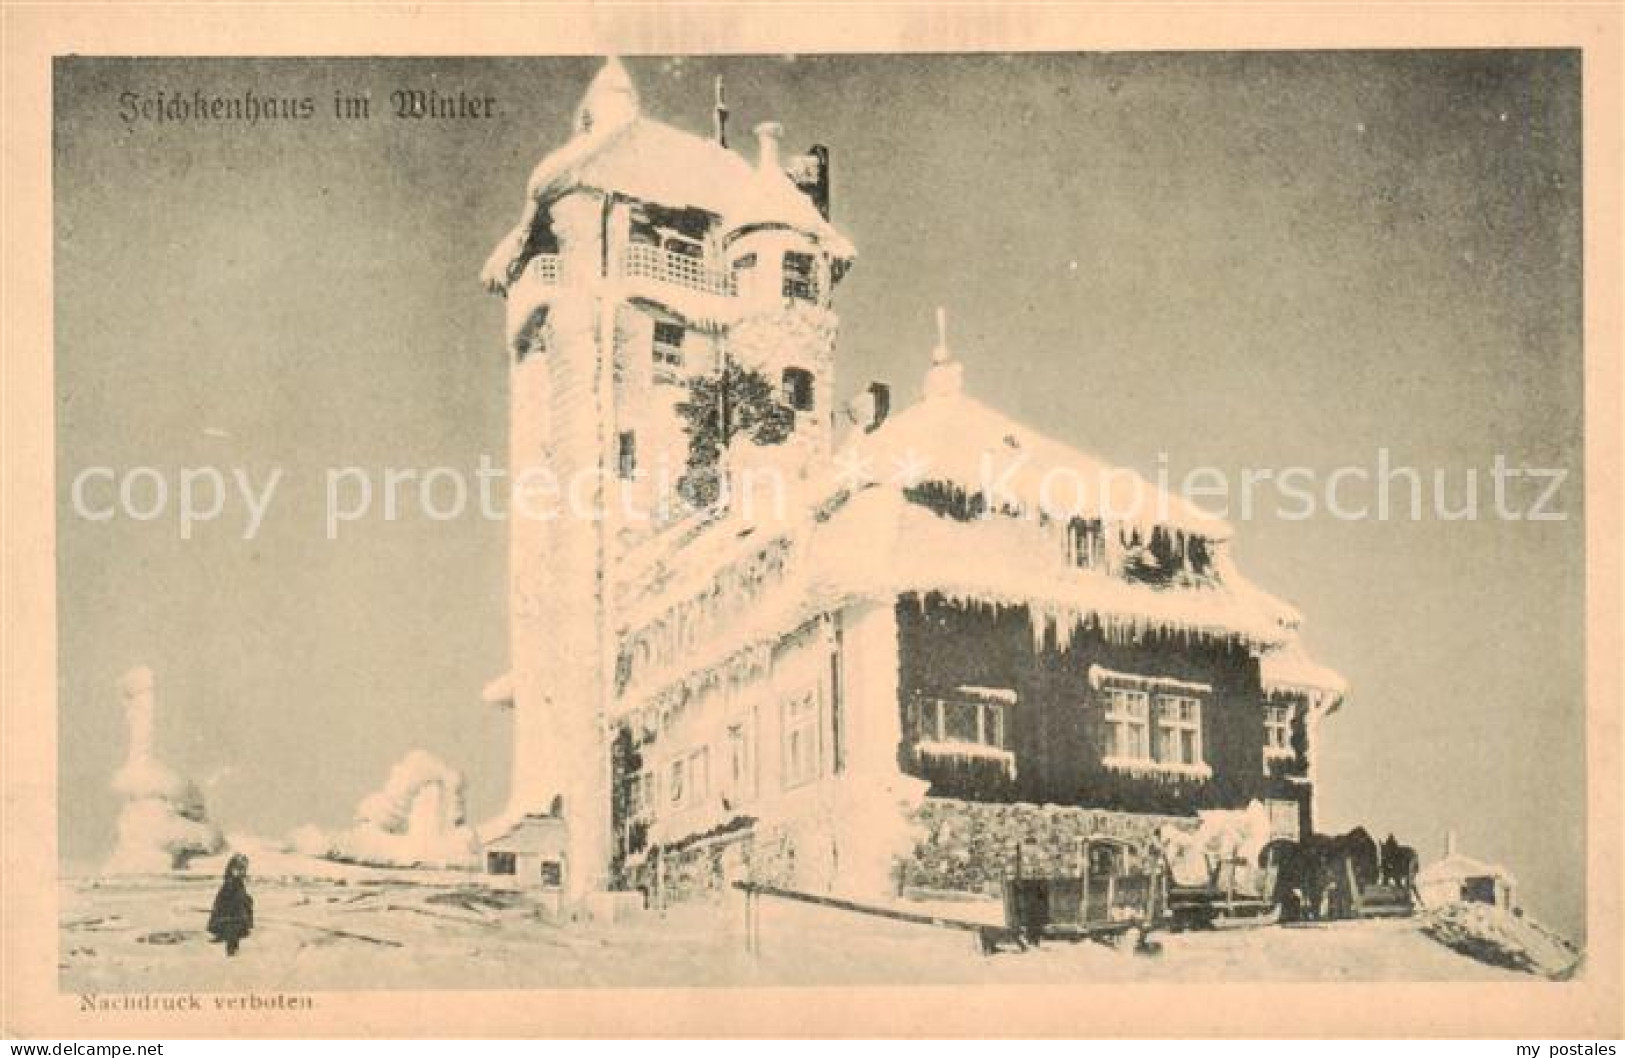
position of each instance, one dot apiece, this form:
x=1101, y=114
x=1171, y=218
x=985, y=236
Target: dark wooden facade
x=1057, y=730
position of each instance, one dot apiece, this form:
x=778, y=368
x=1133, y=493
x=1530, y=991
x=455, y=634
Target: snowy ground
x=368, y=931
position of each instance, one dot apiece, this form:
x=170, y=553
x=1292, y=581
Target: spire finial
x=940, y=354
x=946, y=376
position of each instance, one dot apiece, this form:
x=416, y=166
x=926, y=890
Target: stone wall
x=970, y=846
x=960, y=846
x=799, y=858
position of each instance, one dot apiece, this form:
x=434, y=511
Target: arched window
x=798, y=388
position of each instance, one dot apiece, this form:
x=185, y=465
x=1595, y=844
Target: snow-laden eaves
x=876, y=545
x=1291, y=670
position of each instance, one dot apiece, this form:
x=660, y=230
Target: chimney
x=1449, y=843
x=768, y=134
x=810, y=173
x=720, y=119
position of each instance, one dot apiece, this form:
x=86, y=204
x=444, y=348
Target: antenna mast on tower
x=720, y=119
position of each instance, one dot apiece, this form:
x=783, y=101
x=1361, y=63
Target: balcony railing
x=692, y=273
x=642, y=261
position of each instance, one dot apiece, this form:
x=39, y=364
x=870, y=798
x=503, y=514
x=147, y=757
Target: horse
x=1360, y=848
x=1399, y=864
x=1303, y=878
x=1318, y=876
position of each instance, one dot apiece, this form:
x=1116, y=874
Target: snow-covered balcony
x=692, y=286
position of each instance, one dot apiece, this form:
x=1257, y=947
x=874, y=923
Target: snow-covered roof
x=954, y=438
x=1009, y=561
x=619, y=150
x=1457, y=866
x=860, y=536
x=876, y=544
x=1290, y=669
x=531, y=834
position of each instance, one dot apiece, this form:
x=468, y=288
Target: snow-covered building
x=528, y=855
x=1458, y=878
x=877, y=659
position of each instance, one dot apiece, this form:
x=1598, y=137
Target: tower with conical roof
x=645, y=258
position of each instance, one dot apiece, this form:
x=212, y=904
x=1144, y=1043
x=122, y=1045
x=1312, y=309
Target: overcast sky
x=1238, y=261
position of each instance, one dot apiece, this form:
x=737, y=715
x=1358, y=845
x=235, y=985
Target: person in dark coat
x=233, y=916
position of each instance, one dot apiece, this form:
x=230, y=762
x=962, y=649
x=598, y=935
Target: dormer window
x=800, y=276
x=667, y=351
x=798, y=388
x=1086, y=543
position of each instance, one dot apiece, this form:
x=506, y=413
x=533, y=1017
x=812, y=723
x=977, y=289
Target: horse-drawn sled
x=1232, y=872
x=1112, y=891
x=1229, y=872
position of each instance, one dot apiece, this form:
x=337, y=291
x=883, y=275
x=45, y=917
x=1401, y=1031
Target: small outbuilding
x=529, y=855
x=1459, y=879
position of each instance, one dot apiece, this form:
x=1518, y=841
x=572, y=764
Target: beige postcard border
x=30, y=35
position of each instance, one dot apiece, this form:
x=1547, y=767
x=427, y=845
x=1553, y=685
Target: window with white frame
x=688, y=779
x=968, y=721
x=699, y=775
x=1128, y=712
x=1179, y=730
x=1277, y=730
x=667, y=351
x=800, y=276
x=741, y=765
x=677, y=782
x=1154, y=725
x=801, y=741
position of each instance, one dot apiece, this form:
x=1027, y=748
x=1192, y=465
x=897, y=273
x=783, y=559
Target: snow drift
x=163, y=823
x=1502, y=938
x=418, y=819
